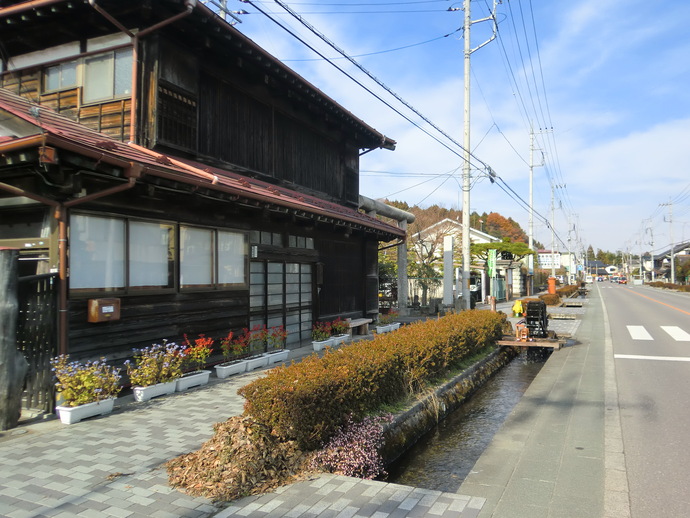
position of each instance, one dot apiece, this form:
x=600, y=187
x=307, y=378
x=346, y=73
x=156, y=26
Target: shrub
x=81, y=383
x=310, y=400
x=550, y=300
x=567, y=291
x=354, y=450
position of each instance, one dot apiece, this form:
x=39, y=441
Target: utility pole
x=468, y=50
x=670, y=223
x=650, y=229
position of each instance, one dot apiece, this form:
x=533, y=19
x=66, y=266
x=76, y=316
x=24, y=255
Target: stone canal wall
x=409, y=425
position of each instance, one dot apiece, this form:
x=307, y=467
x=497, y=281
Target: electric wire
x=485, y=166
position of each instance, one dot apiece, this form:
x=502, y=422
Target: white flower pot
x=256, y=362
x=74, y=414
x=318, y=345
x=159, y=389
x=339, y=339
x=394, y=326
x=230, y=368
x=276, y=356
x=192, y=379
x=382, y=329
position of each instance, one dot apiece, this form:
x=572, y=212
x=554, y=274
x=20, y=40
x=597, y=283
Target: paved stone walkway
x=112, y=466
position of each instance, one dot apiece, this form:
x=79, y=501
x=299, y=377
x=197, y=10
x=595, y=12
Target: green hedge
x=310, y=400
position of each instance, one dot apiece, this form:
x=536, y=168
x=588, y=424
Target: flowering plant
x=321, y=331
x=388, y=318
x=339, y=327
x=81, y=383
x=198, y=353
x=276, y=337
x=159, y=363
x=233, y=348
x=257, y=337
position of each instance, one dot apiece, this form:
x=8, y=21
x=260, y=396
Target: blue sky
x=604, y=84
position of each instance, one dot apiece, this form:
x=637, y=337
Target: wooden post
x=13, y=365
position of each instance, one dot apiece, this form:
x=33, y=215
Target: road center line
x=659, y=302
x=639, y=333
x=660, y=358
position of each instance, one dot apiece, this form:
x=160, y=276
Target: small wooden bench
x=359, y=326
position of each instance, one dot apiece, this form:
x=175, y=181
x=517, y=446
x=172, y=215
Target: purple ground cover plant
x=354, y=450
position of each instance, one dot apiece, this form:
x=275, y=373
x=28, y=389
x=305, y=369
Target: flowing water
x=443, y=457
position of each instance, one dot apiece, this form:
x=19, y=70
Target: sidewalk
x=111, y=467
x=560, y=452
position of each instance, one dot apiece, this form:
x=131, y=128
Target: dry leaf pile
x=242, y=458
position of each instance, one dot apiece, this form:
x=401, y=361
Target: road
x=650, y=332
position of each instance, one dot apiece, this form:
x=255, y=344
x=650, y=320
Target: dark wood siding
x=342, y=291
x=234, y=127
x=149, y=319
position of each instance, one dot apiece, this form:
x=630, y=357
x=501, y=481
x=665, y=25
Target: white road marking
x=677, y=333
x=660, y=358
x=639, y=333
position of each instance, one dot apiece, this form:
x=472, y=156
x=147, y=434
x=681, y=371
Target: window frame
x=112, y=67
x=59, y=67
x=175, y=265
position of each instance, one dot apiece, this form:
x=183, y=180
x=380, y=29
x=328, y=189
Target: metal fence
x=37, y=338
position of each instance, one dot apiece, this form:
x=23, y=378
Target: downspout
x=60, y=214
x=189, y=5
x=373, y=207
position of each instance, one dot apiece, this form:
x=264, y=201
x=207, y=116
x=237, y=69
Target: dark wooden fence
x=37, y=338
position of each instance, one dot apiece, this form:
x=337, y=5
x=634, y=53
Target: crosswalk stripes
x=639, y=333
x=675, y=332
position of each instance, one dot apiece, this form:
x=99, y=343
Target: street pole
x=530, y=259
x=468, y=50
x=670, y=223
x=466, y=257
x=553, y=234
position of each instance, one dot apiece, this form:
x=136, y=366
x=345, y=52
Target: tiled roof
x=60, y=130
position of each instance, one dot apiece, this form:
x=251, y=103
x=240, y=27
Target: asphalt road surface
x=650, y=332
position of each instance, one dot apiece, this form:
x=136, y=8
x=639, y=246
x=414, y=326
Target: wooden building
x=158, y=161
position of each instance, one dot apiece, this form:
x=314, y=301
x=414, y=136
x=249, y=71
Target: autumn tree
x=502, y=227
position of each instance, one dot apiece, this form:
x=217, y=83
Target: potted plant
x=386, y=322
x=233, y=351
x=275, y=342
x=321, y=335
x=340, y=331
x=195, y=355
x=85, y=389
x=256, y=338
x=155, y=370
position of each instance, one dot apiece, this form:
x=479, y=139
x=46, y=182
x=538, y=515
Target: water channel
x=444, y=456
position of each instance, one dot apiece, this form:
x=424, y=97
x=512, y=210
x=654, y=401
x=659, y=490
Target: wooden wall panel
x=150, y=319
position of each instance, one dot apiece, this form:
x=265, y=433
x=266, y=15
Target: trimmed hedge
x=567, y=290
x=550, y=300
x=310, y=400
x=669, y=286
